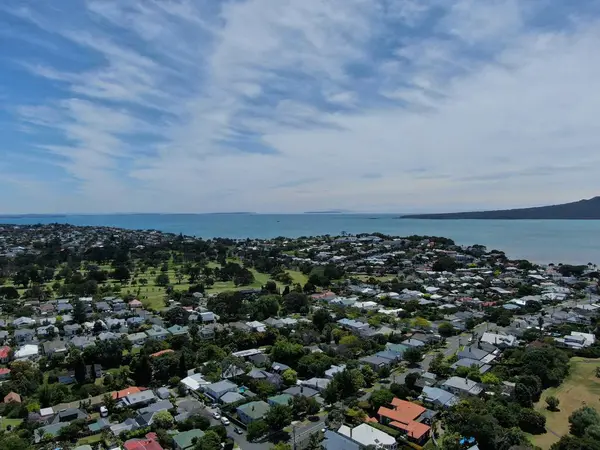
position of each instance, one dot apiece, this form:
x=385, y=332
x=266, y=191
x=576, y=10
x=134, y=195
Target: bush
x=532, y=421
x=552, y=403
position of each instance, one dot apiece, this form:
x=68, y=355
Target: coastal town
x=142, y=340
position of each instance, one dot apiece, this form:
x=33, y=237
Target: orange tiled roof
x=162, y=352
x=127, y=391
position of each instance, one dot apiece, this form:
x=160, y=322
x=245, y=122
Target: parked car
x=237, y=430
x=225, y=421
x=103, y=411
x=216, y=415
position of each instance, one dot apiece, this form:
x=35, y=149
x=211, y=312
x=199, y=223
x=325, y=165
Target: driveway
x=240, y=439
x=303, y=433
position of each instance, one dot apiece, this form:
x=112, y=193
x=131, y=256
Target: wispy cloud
x=273, y=105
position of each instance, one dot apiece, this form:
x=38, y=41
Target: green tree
x=164, y=420
x=532, y=421
x=210, y=441
x=281, y=446
x=321, y=317
x=79, y=314
x=257, y=429
x=446, y=329
x=381, y=398
x=412, y=355
x=582, y=419
x=290, y=377
x=552, y=403
x=278, y=417
x=162, y=279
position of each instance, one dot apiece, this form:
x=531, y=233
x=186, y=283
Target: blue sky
x=289, y=105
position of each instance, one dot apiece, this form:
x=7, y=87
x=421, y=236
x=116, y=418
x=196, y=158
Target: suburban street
x=239, y=439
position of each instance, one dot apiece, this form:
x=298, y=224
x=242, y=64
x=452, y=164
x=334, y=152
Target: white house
x=358, y=438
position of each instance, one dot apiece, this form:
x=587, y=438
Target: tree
x=411, y=379
x=446, y=329
x=290, y=377
x=177, y=316
x=162, y=279
x=312, y=406
x=286, y=352
x=439, y=366
x=321, y=317
x=142, y=370
x=552, y=403
x=257, y=429
x=583, y=418
x=421, y=322
x=532, y=421
x=281, y=446
x=79, y=314
x=210, y=441
x=380, y=398
x=164, y=420
x=278, y=417
x=368, y=374
x=445, y=264
x=121, y=273
x=295, y=302
x=412, y=355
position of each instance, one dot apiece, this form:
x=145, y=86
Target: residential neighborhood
x=350, y=342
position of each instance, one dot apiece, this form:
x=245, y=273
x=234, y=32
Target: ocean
x=542, y=241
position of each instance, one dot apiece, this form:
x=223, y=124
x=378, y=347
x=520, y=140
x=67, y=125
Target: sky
x=297, y=105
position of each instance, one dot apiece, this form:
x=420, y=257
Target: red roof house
x=149, y=443
x=12, y=397
x=125, y=392
x=405, y=416
x=5, y=354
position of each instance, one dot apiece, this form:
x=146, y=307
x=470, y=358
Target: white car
x=225, y=421
x=216, y=415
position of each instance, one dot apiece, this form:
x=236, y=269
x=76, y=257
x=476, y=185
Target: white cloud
x=274, y=105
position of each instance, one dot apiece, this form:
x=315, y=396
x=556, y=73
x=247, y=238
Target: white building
x=358, y=438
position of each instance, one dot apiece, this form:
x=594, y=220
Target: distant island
x=582, y=210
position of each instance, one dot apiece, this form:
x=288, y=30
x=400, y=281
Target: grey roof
x=221, y=387
x=162, y=405
x=231, y=397
x=254, y=410
x=139, y=397
x=467, y=362
x=301, y=390
x=472, y=352
x=463, y=384
x=375, y=360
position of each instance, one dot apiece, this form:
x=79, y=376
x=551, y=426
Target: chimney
x=301, y=389
x=351, y=433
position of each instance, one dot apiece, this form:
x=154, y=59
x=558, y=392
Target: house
x=63, y=308
x=24, y=336
x=376, y=362
x=472, y=352
x=163, y=405
x=279, y=367
x=217, y=390
x=163, y=393
x=576, y=340
x=352, y=325
x=194, y=382
x=231, y=397
x=22, y=322
x=259, y=360
x=407, y=417
x=135, y=303
x=125, y=392
x=414, y=343
x=150, y=442
x=499, y=340
x=108, y=336
x=54, y=348
x=329, y=373
x=5, y=353
x=301, y=390
x=71, y=330
x=4, y=373
x=462, y=386
x=361, y=437
x=253, y=411
x=438, y=397
x=139, y=399
x=12, y=397
x=82, y=342
x=468, y=363
x=207, y=317
x=102, y=306
x=157, y=332
x=133, y=322
x=178, y=330
x=69, y=415
x=388, y=354
x=47, y=330
x=272, y=378
x=318, y=384
x=137, y=338
x=4, y=335
x=48, y=430
x=185, y=439
x=256, y=326
x=282, y=399
x=28, y=351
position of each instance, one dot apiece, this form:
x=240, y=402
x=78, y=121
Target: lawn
x=90, y=440
x=12, y=422
x=581, y=387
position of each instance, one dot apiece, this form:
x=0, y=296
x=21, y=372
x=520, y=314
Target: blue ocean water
x=543, y=241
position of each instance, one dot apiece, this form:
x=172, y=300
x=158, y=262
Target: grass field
x=90, y=440
x=582, y=387
x=13, y=423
